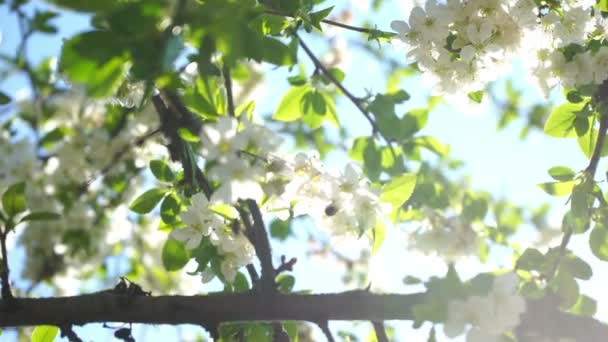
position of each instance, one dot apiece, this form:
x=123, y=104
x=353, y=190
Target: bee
x=331, y=210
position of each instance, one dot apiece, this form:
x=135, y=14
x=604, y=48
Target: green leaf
x=40, y=216
x=161, y=171
x=285, y=282
x=240, y=284
x=53, y=136
x=292, y=330
x=45, y=333
x=316, y=17
x=562, y=173
x=13, y=199
x=289, y=108
x=581, y=125
x=4, y=99
x=399, y=189
x=598, y=241
x=170, y=208
x=314, y=108
x=95, y=59
x=476, y=96
x=413, y=122
x=280, y=229
x=584, y=306
x=433, y=145
x=188, y=136
x=560, y=123
x=558, y=188
x=566, y=287
x=531, y=260
x=372, y=160
x=474, y=206
x=378, y=234
x=588, y=141
x=411, y=280
x=174, y=255
x=147, y=201
x=576, y=266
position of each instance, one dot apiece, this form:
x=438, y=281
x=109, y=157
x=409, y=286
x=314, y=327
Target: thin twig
x=279, y=334
x=228, y=85
x=335, y=23
x=262, y=247
x=7, y=294
x=601, y=99
x=349, y=95
x=380, y=332
x=118, y=156
x=324, y=326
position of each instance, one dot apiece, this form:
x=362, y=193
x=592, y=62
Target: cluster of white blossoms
x=340, y=203
x=463, y=44
x=202, y=222
x=70, y=159
x=244, y=161
x=448, y=237
x=287, y=185
x=489, y=316
x=19, y=161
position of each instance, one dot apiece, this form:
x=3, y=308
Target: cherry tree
x=142, y=184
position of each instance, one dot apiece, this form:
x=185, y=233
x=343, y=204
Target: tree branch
x=228, y=86
x=380, y=332
x=601, y=99
x=349, y=95
x=541, y=317
x=7, y=294
x=338, y=24
x=109, y=307
x=324, y=326
x=262, y=248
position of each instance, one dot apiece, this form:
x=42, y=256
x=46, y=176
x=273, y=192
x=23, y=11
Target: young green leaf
x=147, y=201
x=4, y=99
x=399, y=189
x=558, y=188
x=562, y=173
x=13, y=199
x=170, y=208
x=476, y=96
x=44, y=333
x=561, y=121
x=161, y=171
x=289, y=108
x=285, y=282
x=378, y=234
x=588, y=141
x=598, y=241
x=188, y=136
x=174, y=255
x=40, y=216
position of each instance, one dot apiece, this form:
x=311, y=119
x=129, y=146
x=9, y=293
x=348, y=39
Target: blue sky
x=497, y=161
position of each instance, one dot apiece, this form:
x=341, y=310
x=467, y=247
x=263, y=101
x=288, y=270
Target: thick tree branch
x=109, y=307
x=541, y=318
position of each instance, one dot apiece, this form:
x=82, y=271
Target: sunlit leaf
x=174, y=255
x=44, y=333
x=147, y=201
